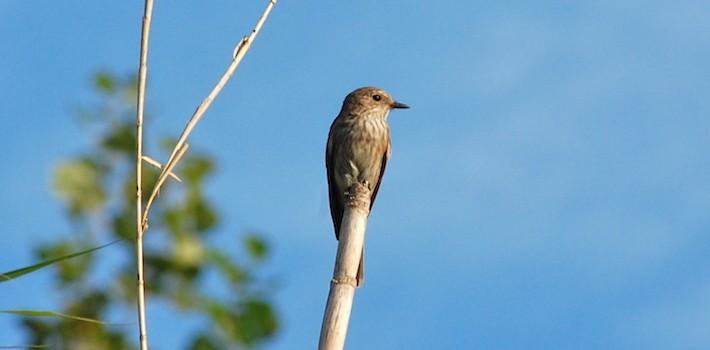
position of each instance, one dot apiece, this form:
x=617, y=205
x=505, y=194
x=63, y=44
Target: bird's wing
x=385, y=157
x=336, y=206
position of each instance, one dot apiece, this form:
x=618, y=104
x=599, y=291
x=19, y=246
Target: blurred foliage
x=97, y=189
x=78, y=183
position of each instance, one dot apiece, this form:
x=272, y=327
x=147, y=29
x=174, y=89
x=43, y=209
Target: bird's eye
x=376, y=97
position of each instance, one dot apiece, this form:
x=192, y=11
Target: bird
x=357, y=150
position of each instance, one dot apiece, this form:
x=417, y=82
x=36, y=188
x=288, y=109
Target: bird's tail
x=360, y=277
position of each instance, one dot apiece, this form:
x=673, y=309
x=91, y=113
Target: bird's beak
x=396, y=104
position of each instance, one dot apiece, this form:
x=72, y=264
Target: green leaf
x=24, y=346
x=105, y=83
x=79, y=182
x=203, y=342
x=225, y=320
x=124, y=223
x=257, y=247
x=68, y=271
x=121, y=139
x=235, y=274
x=27, y=269
x=257, y=320
x=188, y=251
x=43, y=313
x=196, y=167
x=129, y=87
x=205, y=216
x=173, y=219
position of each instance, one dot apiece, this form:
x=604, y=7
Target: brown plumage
x=358, y=149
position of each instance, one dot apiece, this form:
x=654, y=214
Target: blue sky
x=548, y=189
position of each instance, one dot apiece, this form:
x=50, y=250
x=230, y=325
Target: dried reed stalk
x=177, y=152
x=142, y=74
x=180, y=147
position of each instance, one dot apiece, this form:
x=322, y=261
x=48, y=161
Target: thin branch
x=156, y=164
x=167, y=169
x=344, y=282
x=142, y=74
x=237, y=56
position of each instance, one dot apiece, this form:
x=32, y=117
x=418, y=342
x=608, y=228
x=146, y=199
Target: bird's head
x=371, y=99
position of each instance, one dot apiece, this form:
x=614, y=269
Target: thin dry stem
x=237, y=56
x=177, y=152
x=156, y=164
x=142, y=74
x=167, y=169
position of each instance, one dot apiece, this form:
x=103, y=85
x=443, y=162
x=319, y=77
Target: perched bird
x=358, y=149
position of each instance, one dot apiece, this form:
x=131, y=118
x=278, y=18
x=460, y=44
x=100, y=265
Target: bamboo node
x=342, y=278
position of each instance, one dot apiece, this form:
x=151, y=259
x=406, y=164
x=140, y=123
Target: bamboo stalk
x=238, y=54
x=142, y=75
x=344, y=282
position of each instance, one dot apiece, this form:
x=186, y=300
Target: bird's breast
x=364, y=144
